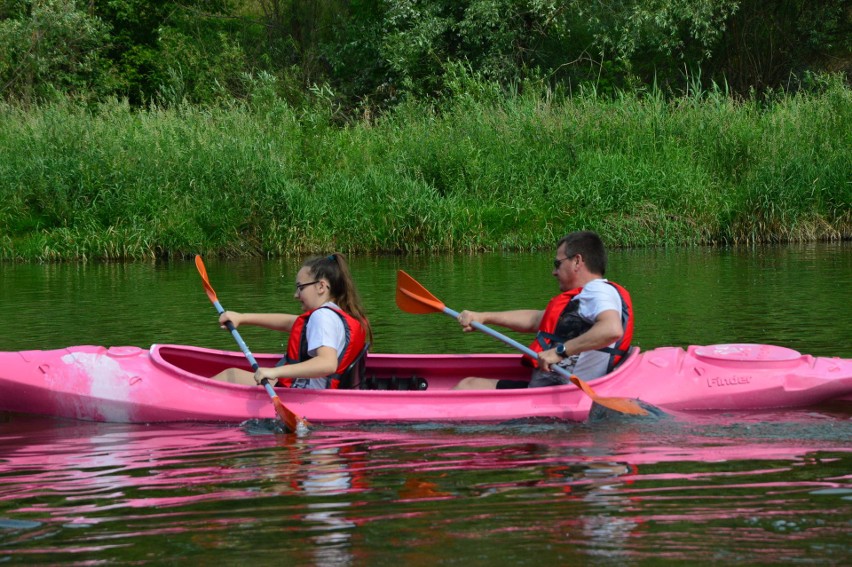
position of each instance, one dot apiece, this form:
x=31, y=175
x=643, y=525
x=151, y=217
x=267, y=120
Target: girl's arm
x=320, y=366
x=275, y=321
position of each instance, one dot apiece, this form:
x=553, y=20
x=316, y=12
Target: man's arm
x=606, y=330
x=522, y=320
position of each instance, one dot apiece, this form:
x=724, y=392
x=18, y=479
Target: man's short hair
x=590, y=246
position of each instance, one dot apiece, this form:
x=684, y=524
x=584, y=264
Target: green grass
x=514, y=173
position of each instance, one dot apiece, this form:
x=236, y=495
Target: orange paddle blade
x=622, y=405
x=291, y=420
x=416, y=489
x=412, y=297
x=199, y=264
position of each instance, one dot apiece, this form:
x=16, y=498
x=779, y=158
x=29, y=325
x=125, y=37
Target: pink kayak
x=170, y=383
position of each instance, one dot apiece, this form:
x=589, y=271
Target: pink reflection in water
x=606, y=484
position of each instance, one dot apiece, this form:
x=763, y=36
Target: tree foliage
x=371, y=53
x=49, y=48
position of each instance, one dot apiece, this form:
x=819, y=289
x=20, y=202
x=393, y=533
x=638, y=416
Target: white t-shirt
x=597, y=296
x=324, y=328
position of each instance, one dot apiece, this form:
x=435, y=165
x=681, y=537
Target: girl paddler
x=325, y=339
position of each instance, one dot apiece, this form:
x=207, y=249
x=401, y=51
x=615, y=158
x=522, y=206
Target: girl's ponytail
x=335, y=269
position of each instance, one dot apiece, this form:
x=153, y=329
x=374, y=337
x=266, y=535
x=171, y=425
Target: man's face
x=566, y=270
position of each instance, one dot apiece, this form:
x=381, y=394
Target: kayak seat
x=352, y=377
x=395, y=383
x=630, y=353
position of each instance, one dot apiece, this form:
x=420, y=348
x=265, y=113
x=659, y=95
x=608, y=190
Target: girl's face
x=310, y=292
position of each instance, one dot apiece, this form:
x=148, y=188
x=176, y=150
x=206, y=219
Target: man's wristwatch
x=560, y=350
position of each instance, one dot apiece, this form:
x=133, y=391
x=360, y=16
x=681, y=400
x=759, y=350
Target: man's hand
x=466, y=318
x=548, y=358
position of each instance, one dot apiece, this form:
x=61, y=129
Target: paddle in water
x=412, y=297
x=292, y=422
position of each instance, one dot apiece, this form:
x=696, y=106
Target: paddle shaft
x=290, y=420
x=508, y=340
x=244, y=347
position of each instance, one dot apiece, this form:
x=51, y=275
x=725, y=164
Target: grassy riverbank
x=484, y=173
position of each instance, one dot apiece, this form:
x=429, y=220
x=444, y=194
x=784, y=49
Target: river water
x=733, y=488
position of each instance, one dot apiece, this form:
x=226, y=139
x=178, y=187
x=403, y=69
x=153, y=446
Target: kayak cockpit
x=198, y=362
x=382, y=371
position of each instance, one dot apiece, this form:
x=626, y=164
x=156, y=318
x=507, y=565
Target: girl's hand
x=231, y=316
x=262, y=373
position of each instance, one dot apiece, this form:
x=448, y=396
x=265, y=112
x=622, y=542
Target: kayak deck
x=171, y=383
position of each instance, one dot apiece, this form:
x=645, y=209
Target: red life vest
x=297, y=346
x=560, y=323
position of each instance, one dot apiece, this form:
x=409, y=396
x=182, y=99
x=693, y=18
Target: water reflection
x=340, y=496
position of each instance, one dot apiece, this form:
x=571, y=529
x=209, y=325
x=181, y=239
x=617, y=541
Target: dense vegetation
x=486, y=172
x=137, y=129
x=372, y=53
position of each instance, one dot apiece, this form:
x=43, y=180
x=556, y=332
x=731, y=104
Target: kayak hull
x=170, y=383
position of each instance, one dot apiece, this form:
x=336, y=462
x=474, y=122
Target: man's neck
x=589, y=277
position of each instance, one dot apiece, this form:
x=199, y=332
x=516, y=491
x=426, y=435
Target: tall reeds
x=479, y=173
